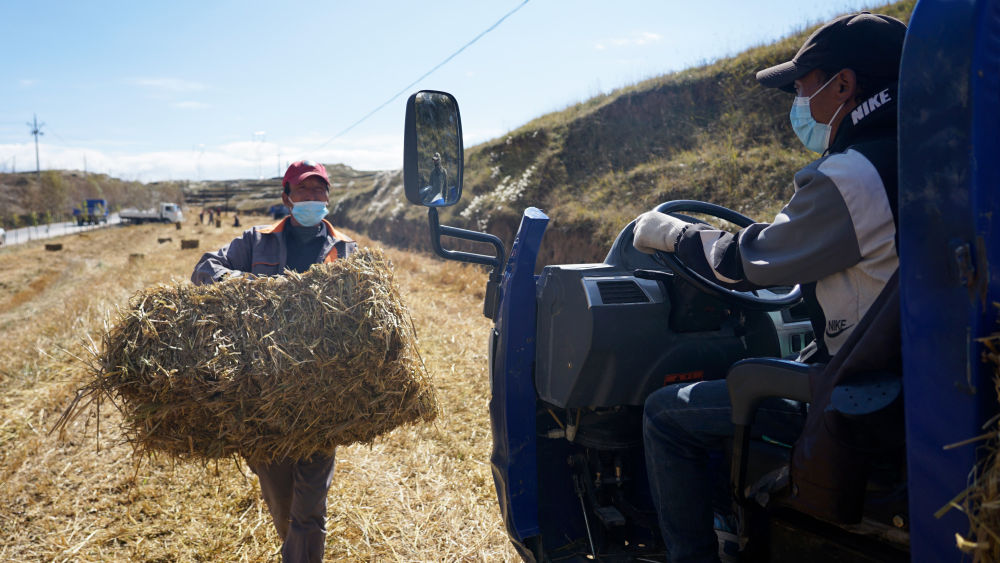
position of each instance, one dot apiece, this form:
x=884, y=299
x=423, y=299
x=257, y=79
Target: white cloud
x=476, y=136
x=236, y=160
x=637, y=39
x=27, y=82
x=189, y=104
x=169, y=84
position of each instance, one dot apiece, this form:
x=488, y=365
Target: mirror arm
x=492, y=301
x=437, y=230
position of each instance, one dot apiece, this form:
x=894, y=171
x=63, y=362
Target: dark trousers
x=682, y=425
x=295, y=492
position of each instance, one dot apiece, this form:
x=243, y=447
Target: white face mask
x=309, y=213
x=815, y=136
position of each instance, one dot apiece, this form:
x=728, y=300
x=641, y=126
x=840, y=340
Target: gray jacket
x=261, y=251
x=836, y=236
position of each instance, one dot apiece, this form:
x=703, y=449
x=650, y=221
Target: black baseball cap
x=869, y=44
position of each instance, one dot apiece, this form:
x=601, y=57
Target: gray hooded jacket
x=836, y=236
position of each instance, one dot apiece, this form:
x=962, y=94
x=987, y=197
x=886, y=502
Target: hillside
x=708, y=133
x=28, y=198
x=256, y=196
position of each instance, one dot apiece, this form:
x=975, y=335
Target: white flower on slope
x=482, y=206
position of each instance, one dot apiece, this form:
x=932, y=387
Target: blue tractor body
x=512, y=405
x=570, y=363
x=949, y=245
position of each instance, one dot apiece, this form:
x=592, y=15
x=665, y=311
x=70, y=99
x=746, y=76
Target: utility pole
x=36, y=130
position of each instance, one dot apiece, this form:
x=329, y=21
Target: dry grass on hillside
x=421, y=494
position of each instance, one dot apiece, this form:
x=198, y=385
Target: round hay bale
x=53, y=246
x=268, y=368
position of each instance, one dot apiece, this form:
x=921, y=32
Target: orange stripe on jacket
x=280, y=226
x=275, y=228
x=336, y=234
x=330, y=257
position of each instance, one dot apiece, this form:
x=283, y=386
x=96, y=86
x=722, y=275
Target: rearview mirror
x=432, y=149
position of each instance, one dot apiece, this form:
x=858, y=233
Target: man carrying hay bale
x=295, y=491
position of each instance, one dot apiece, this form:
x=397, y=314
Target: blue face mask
x=309, y=213
x=815, y=136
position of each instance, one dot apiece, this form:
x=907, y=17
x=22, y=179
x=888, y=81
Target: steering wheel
x=737, y=298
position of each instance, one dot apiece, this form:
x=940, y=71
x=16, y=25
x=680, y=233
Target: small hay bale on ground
x=189, y=243
x=268, y=368
x=53, y=246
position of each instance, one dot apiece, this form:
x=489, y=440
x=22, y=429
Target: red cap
x=299, y=171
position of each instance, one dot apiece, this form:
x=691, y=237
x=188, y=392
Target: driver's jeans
x=685, y=426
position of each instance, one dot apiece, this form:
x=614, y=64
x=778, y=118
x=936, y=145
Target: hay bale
x=162, y=240
x=980, y=500
x=189, y=243
x=53, y=246
x=268, y=368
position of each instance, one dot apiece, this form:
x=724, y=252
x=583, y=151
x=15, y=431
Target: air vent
x=618, y=292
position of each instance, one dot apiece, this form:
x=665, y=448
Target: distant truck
x=163, y=213
x=92, y=212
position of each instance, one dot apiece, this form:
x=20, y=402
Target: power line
x=425, y=75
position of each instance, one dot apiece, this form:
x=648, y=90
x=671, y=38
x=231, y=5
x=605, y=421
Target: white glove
x=657, y=231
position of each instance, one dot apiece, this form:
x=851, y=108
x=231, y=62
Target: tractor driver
x=835, y=236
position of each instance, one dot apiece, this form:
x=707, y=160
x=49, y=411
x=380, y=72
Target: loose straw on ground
x=267, y=368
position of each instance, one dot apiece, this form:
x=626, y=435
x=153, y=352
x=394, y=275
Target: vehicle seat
x=851, y=448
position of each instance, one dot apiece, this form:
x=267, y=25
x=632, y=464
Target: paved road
x=19, y=236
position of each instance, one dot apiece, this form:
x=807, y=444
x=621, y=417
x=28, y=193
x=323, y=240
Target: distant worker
x=236, y=219
x=836, y=236
x=211, y=217
x=277, y=211
x=295, y=490
x=201, y=216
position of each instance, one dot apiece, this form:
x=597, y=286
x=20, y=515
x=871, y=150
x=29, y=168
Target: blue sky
x=156, y=90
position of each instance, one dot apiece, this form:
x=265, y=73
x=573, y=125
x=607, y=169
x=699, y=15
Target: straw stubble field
x=422, y=493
